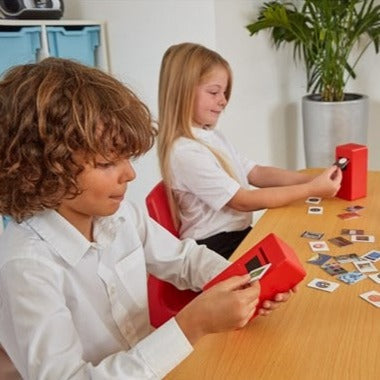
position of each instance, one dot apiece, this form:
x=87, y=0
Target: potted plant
x=330, y=37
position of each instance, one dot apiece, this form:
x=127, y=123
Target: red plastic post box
x=285, y=272
x=354, y=182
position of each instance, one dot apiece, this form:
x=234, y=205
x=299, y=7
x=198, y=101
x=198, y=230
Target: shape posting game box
x=284, y=273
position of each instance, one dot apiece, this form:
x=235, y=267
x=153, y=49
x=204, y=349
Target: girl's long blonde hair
x=183, y=67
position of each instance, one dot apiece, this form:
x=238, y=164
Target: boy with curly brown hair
x=74, y=260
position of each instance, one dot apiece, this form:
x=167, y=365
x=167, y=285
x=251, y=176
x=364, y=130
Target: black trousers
x=225, y=243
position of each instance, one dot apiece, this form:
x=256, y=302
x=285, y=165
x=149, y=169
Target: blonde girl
x=209, y=182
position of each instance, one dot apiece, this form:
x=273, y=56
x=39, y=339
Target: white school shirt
x=203, y=188
x=72, y=309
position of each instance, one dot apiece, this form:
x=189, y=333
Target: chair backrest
x=165, y=300
x=158, y=208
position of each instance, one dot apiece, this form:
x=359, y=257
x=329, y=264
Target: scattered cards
x=318, y=246
x=313, y=200
x=372, y=297
x=258, y=273
x=372, y=256
x=312, y=235
x=340, y=241
x=375, y=277
x=346, y=231
x=363, y=238
x=365, y=266
x=348, y=215
x=351, y=277
x=327, y=286
x=315, y=210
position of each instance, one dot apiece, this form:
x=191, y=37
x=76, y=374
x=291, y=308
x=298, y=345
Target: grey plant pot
x=328, y=124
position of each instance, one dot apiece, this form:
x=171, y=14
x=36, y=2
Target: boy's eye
x=103, y=165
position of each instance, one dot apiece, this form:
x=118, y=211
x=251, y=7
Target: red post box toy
x=284, y=273
x=354, y=181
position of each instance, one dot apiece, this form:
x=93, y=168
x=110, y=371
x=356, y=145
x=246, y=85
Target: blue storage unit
x=74, y=43
x=19, y=45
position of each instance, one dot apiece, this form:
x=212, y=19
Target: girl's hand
x=326, y=184
x=226, y=306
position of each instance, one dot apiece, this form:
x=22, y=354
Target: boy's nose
x=127, y=172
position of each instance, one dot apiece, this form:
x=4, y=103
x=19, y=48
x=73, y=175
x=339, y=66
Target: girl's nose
x=223, y=100
x=127, y=173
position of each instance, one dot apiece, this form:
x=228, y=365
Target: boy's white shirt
x=203, y=188
x=74, y=309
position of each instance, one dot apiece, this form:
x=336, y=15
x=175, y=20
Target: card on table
x=317, y=246
x=351, y=277
x=313, y=200
x=333, y=268
x=315, y=210
x=363, y=238
x=365, y=266
x=372, y=256
x=327, y=286
x=340, y=241
x=347, y=258
x=312, y=235
x=346, y=231
x=354, y=208
x=349, y=215
x=372, y=297
x=319, y=259
x=258, y=273
x=375, y=277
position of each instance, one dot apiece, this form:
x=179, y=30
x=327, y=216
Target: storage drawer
x=77, y=43
x=18, y=45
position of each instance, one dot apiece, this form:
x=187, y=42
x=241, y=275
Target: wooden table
x=316, y=334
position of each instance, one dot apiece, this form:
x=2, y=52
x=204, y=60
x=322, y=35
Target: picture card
x=315, y=210
x=313, y=200
x=375, y=277
x=327, y=286
x=312, y=235
x=349, y=215
x=365, y=266
x=372, y=256
x=333, y=268
x=354, y=208
x=347, y=258
x=363, y=238
x=346, y=231
x=372, y=297
x=318, y=246
x=351, y=277
x=258, y=273
x=319, y=259
x=340, y=241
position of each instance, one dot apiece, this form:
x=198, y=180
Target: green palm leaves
x=324, y=34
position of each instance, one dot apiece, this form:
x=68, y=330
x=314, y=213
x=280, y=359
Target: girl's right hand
x=326, y=184
x=226, y=306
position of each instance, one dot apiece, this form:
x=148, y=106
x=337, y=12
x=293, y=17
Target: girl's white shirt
x=70, y=308
x=203, y=188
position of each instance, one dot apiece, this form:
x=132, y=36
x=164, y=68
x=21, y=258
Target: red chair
x=164, y=299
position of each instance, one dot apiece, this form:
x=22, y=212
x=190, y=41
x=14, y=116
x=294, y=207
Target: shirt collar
x=66, y=240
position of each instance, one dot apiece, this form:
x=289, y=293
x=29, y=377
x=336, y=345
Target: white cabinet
x=23, y=41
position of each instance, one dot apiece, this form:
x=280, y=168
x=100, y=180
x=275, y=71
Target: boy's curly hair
x=51, y=110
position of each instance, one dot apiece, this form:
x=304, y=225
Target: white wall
x=263, y=118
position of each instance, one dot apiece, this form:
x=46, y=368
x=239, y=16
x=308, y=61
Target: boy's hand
x=269, y=305
x=226, y=306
